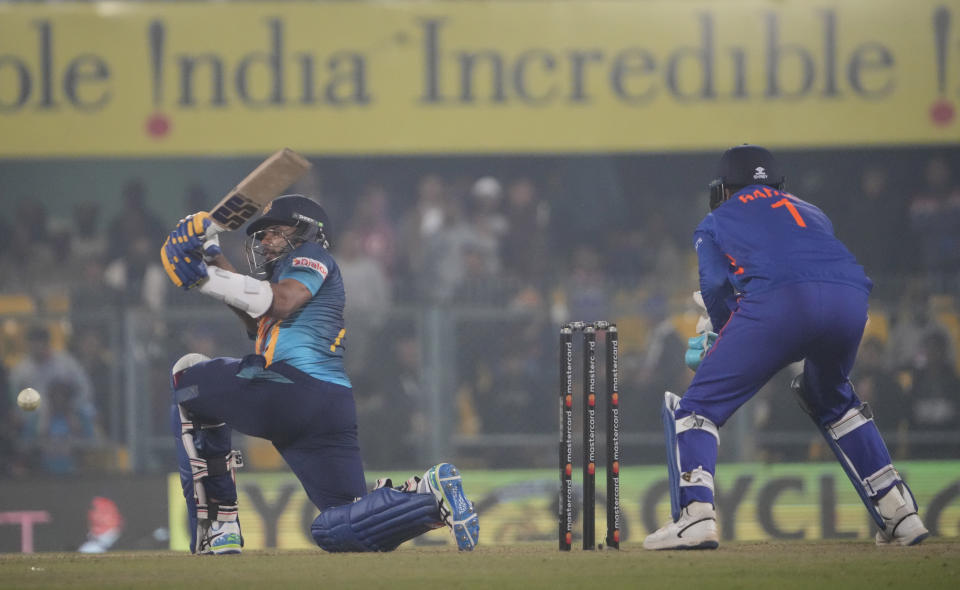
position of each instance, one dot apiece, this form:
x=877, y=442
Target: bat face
x=260, y=187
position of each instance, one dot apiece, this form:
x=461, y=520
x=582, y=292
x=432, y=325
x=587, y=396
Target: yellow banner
x=154, y=79
x=754, y=502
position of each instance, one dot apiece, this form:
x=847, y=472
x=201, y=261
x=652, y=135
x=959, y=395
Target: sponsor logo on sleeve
x=311, y=264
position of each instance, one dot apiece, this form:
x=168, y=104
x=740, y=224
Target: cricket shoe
x=696, y=529
x=904, y=526
x=458, y=513
x=414, y=485
x=220, y=538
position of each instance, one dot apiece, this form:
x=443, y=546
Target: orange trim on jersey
x=262, y=328
x=733, y=262
x=263, y=332
x=274, y=336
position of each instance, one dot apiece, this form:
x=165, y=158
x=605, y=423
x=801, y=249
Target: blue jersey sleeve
x=714, y=286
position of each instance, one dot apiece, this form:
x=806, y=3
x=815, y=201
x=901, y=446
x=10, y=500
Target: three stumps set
x=589, y=401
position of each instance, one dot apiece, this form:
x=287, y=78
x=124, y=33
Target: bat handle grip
x=213, y=229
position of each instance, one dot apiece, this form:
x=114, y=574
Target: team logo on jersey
x=760, y=173
x=311, y=264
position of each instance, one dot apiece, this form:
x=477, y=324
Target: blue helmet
x=306, y=215
x=744, y=165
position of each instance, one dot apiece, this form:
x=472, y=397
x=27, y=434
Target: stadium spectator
x=53, y=372
x=911, y=324
x=394, y=403
x=486, y=197
x=445, y=250
x=661, y=257
x=43, y=365
x=934, y=396
x=877, y=385
x=27, y=255
x=585, y=283
x=135, y=276
x=662, y=367
x=88, y=242
x=134, y=219
x=62, y=436
x=367, y=285
x=935, y=216
x=479, y=283
x=526, y=239
x=418, y=225
x=95, y=355
x=371, y=223
x=875, y=200
x=505, y=390
x=196, y=198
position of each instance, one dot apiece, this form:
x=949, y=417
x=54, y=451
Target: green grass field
x=778, y=566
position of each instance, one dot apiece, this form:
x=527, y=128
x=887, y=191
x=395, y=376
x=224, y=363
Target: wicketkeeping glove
x=703, y=322
x=697, y=348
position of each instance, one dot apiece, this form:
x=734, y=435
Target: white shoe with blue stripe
x=458, y=513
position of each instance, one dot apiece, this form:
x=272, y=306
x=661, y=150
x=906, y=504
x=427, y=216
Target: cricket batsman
x=292, y=391
x=778, y=288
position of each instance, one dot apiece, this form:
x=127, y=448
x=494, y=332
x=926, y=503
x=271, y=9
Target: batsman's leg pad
x=207, y=466
x=691, y=443
x=380, y=521
x=859, y=447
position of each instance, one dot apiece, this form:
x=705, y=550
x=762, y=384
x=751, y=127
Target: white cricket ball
x=28, y=399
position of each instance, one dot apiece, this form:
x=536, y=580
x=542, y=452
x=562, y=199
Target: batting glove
x=185, y=269
x=198, y=232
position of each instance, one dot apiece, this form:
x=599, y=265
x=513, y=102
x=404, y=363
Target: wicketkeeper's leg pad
x=380, y=521
x=691, y=441
x=859, y=447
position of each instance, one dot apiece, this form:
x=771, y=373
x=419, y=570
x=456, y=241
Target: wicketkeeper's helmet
x=744, y=165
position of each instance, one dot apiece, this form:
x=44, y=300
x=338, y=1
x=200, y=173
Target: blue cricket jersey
x=312, y=338
x=761, y=238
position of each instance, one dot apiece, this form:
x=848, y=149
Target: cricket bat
x=261, y=186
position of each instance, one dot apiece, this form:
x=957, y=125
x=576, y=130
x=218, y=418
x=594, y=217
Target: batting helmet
x=298, y=211
x=306, y=215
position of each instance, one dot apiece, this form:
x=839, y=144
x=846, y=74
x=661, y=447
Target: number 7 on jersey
x=784, y=202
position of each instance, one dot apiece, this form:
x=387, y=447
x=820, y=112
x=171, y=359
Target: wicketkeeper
x=778, y=288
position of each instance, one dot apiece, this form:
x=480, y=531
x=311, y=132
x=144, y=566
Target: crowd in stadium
x=531, y=242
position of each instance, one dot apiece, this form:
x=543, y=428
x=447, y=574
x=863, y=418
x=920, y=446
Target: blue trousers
x=312, y=423
x=819, y=323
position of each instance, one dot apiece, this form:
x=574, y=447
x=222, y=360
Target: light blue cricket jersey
x=312, y=338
